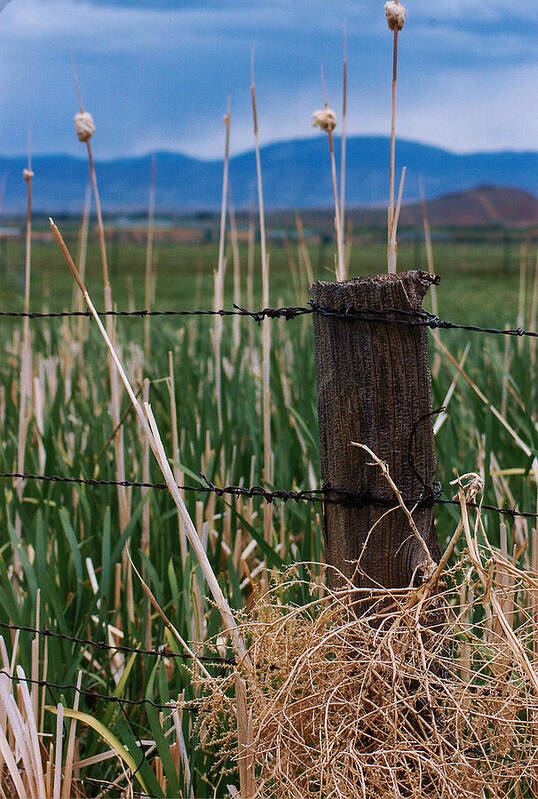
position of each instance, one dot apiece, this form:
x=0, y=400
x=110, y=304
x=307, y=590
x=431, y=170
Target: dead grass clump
x=426, y=697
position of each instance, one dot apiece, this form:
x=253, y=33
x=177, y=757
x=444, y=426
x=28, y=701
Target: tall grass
x=71, y=538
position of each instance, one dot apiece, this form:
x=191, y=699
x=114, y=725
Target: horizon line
x=274, y=142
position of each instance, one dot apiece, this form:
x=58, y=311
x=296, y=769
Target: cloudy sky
x=156, y=75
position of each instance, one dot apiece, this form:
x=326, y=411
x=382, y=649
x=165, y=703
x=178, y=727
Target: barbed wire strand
x=158, y=653
x=328, y=494
x=121, y=700
x=419, y=318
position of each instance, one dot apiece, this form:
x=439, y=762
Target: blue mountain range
x=296, y=174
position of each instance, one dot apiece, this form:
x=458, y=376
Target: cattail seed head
x=27, y=174
x=395, y=14
x=84, y=125
x=325, y=119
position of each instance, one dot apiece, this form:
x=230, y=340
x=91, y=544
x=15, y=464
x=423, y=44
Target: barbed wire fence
x=325, y=495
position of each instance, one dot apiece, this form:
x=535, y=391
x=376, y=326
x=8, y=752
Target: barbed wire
x=120, y=700
x=326, y=495
x=410, y=318
x=162, y=652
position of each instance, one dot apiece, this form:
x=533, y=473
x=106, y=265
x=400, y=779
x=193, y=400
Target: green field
x=61, y=528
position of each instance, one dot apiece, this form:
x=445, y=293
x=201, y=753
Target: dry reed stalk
x=77, y=303
x=344, y=139
x=70, y=754
x=394, y=229
x=431, y=269
x=250, y=274
x=59, y=746
x=237, y=271
x=429, y=247
x=145, y=537
x=391, y=256
x=522, y=294
x=178, y=475
x=506, y=369
x=187, y=780
x=244, y=738
x=149, y=258
x=124, y=494
x=26, y=354
x=429, y=566
x=39, y=421
x=326, y=120
x=221, y=269
x=304, y=260
x=532, y=342
x=151, y=430
x=185, y=646
x=266, y=328
x=34, y=689
x=443, y=416
x=519, y=441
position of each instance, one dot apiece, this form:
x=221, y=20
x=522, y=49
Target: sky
x=156, y=75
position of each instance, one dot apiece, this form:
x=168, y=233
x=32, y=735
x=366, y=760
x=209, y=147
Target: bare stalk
x=26, y=355
x=219, y=274
x=237, y=271
x=522, y=304
x=124, y=494
x=391, y=257
x=175, y=449
x=429, y=248
x=344, y=138
x=266, y=328
x=82, y=254
x=341, y=261
x=149, y=258
x=393, y=250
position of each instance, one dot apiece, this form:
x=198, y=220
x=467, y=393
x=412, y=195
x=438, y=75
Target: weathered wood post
x=374, y=388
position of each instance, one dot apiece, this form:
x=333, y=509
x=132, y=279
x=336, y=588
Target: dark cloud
x=156, y=74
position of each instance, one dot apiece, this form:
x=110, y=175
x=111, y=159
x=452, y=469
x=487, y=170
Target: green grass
x=63, y=525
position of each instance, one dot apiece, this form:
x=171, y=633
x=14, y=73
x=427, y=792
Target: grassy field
x=63, y=535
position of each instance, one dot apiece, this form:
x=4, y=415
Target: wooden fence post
x=374, y=388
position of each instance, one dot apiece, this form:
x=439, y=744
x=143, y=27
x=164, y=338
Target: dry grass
x=432, y=692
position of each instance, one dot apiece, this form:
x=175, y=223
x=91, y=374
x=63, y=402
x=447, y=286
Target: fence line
x=420, y=318
x=432, y=496
x=93, y=694
x=158, y=653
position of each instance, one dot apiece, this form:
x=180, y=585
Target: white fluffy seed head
x=84, y=125
x=395, y=14
x=27, y=174
x=325, y=119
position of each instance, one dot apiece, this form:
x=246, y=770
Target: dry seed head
x=84, y=125
x=325, y=118
x=27, y=174
x=395, y=14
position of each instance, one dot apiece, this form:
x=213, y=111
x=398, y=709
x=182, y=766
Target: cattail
x=85, y=129
x=325, y=118
x=395, y=14
x=84, y=126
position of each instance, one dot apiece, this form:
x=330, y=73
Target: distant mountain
x=296, y=174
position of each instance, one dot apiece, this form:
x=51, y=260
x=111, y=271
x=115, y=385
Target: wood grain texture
x=374, y=387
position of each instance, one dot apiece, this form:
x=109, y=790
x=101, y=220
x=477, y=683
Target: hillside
x=296, y=174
